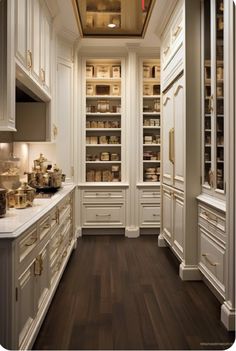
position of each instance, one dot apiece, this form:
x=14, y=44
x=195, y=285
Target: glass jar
x=3, y=202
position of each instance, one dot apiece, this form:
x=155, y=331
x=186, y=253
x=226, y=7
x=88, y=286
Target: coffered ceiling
x=116, y=18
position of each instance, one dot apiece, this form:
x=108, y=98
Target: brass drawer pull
x=166, y=50
x=214, y=264
x=30, y=243
x=46, y=226
x=155, y=215
x=103, y=215
x=209, y=217
x=177, y=31
x=29, y=59
x=38, y=265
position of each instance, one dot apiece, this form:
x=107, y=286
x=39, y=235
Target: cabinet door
x=21, y=32
x=167, y=214
x=45, y=54
x=34, y=40
x=42, y=276
x=178, y=224
x=168, y=122
x=179, y=133
x=25, y=303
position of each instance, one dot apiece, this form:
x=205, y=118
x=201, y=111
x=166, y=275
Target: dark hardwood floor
x=119, y=293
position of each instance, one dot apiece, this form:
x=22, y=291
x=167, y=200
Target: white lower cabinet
x=149, y=208
x=103, y=207
x=212, y=246
x=173, y=219
x=35, y=260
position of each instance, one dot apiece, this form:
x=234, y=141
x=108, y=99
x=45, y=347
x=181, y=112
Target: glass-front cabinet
x=213, y=122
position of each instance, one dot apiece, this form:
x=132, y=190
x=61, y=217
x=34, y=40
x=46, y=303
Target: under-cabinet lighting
x=111, y=25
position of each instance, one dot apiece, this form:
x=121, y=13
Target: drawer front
x=165, y=50
x=44, y=227
x=212, y=221
x=27, y=244
x=150, y=195
x=100, y=196
x=149, y=215
x=110, y=215
x=212, y=261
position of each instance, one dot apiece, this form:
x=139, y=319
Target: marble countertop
x=17, y=221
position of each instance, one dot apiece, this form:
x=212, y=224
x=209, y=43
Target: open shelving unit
x=150, y=122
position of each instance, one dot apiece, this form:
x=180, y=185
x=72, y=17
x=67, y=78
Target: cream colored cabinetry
x=33, y=44
x=173, y=219
x=212, y=246
x=7, y=66
x=34, y=262
x=173, y=135
x=103, y=207
x=149, y=208
x=180, y=82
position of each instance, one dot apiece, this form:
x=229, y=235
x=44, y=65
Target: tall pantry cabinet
x=180, y=78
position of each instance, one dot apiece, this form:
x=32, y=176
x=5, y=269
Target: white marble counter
x=17, y=221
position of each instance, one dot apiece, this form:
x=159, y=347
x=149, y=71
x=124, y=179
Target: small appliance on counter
x=44, y=177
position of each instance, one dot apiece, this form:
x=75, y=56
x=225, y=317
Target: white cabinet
x=173, y=135
x=7, y=66
x=103, y=208
x=33, y=44
x=33, y=265
x=149, y=207
x=173, y=219
x=180, y=82
x=22, y=33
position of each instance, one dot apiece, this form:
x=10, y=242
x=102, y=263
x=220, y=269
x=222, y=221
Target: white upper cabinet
x=21, y=32
x=33, y=42
x=7, y=66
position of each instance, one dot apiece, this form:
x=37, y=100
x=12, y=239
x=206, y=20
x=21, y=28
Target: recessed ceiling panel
x=106, y=18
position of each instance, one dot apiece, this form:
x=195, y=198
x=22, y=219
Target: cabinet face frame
x=211, y=87
x=120, y=147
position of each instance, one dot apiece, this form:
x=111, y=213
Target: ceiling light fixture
x=111, y=25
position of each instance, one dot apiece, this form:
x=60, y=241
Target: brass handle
x=155, y=194
x=208, y=216
x=166, y=50
x=29, y=59
x=171, y=145
x=214, y=264
x=55, y=131
x=30, y=243
x=46, y=226
x=103, y=215
x=177, y=31
x=38, y=265
x=42, y=75
x=155, y=215
x=105, y=194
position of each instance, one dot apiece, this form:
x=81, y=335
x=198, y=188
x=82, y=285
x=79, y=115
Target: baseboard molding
x=189, y=272
x=132, y=232
x=161, y=241
x=228, y=316
x=78, y=232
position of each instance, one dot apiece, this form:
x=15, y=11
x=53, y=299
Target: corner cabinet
x=7, y=66
x=213, y=92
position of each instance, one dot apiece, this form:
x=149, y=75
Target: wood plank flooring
x=119, y=293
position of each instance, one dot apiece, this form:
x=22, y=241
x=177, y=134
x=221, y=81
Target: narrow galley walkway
x=119, y=293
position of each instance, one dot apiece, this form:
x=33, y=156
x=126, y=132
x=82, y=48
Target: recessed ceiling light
x=111, y=25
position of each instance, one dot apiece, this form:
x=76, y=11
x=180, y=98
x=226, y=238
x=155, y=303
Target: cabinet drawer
x=149, y=215
x=27, y=244
x=212, y=221
x=100, y=196
x=212, y=261
x=165, y=50
x=150, y=194
x=44, y=227
x=110, y=215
